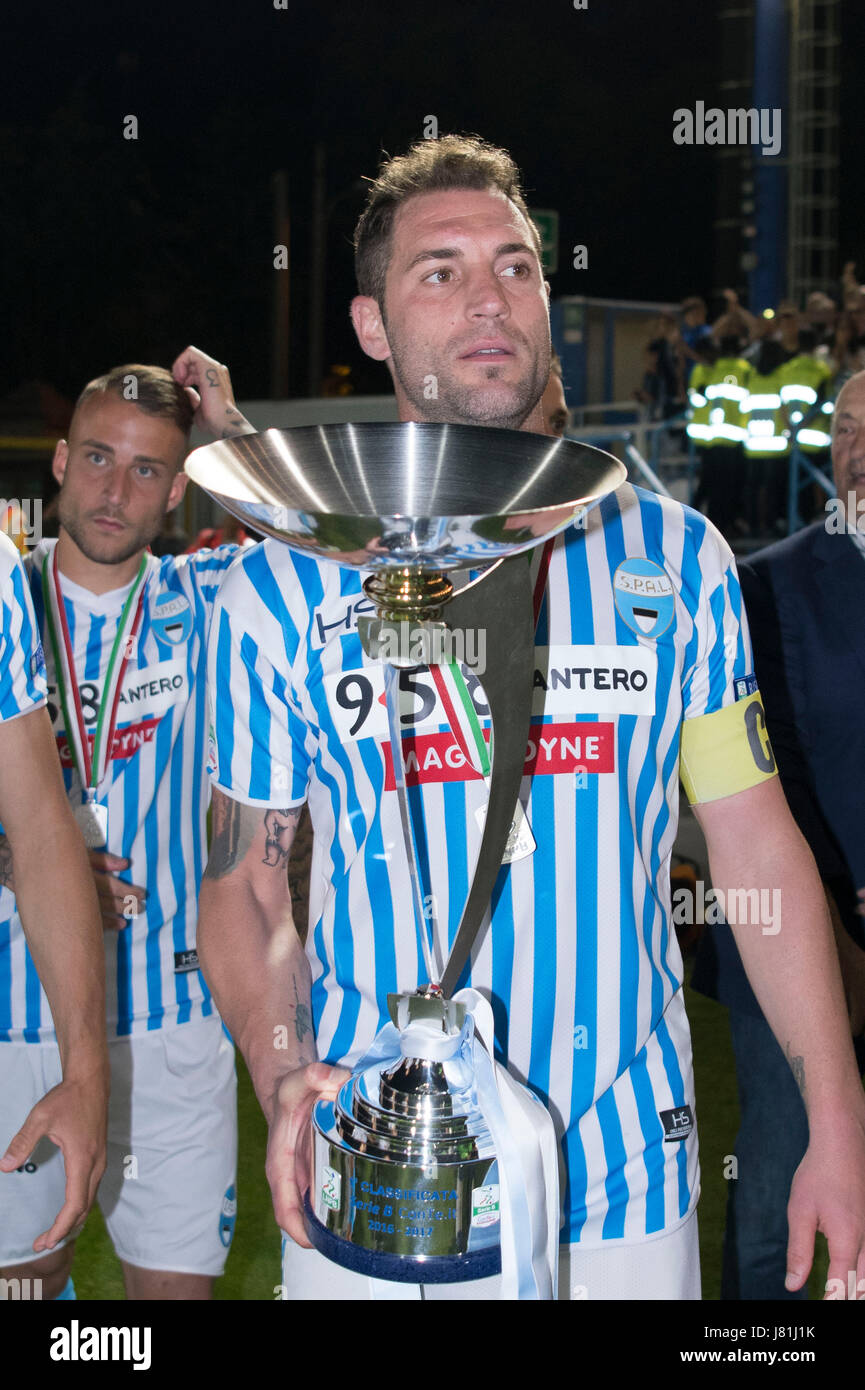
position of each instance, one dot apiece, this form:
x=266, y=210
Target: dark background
x=117, y=250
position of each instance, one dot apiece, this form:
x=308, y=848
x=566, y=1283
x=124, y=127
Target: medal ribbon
x=459, y=707
x=91, y=764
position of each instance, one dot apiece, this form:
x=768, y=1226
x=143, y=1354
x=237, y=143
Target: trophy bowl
x=426, y=496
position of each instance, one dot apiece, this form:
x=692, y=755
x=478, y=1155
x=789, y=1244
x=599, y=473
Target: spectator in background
x=663, y=388
x=767, y=440
x=847, y=352
x=804, y=393
x=738, y=322
x=848, y=344
x=821, y=314
x=724, y=383
x=787, y=331
x=850, y=287
x=693, y=331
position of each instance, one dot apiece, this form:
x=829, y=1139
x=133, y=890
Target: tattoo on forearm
x=6, y=876
x=279, y=827
x=797, y=1066
x=237, y=423
x=233, y=832
x=299, y=866
x=302, y=1015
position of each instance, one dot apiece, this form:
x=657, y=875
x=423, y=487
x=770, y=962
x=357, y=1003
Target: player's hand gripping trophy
x=433, y=1164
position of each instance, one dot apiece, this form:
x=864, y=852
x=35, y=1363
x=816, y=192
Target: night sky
x=117, y=250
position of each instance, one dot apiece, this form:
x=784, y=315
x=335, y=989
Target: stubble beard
x=98, y=548
x=457, y=403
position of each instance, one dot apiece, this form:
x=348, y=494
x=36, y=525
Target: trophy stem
x=408, y=593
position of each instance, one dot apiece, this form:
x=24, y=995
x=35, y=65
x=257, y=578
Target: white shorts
x=168, y=1194
x=664, y=1267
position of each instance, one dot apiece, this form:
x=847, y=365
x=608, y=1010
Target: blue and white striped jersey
x=22, y=665
x=156, y=790
x=641, y=627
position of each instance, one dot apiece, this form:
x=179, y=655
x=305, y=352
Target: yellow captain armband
x=726, y=752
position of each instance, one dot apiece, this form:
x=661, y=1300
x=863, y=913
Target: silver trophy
x=405, y=1178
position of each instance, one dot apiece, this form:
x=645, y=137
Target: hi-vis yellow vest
x=725, y=391
x=765, y=435
x=698, y=425
x=804, y=376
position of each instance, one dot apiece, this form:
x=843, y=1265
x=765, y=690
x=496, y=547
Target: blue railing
x=646, y=449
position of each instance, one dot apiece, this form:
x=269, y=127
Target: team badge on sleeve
x=37, y=663
x=644, y=596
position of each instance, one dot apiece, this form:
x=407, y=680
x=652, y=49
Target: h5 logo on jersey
x=678, y=1123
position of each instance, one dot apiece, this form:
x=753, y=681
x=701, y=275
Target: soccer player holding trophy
x=642, y=672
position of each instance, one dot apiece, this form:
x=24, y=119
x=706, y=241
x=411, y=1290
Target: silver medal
x=93, y=821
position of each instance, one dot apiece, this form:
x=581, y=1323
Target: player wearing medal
x=125, y=641
x=59, y=916
x=643, y=670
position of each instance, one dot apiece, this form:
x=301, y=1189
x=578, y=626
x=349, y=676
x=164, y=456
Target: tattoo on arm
x=234, y=827
x=302, y=1015
x=797, y=1066
x=277, y=825
x=299, y=866
x=6, y=876
x=237, y=423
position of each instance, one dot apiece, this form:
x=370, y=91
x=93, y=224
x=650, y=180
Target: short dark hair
x=730, y=345
x=707, y=351
x=152, y=389
x=430, y=166
x=770, y=356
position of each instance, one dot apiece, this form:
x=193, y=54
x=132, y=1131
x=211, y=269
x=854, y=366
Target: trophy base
x=401, y=1269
